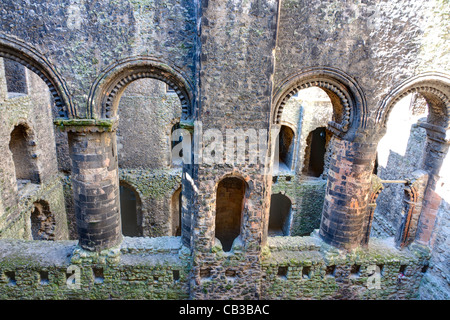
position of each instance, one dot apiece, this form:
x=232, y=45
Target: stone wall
x=79, y=36
x=158, y=268
x=155, y=189
x=308, y=269
x=148, y=269
x=229, y=62
x=32, y=110
x=147, y=114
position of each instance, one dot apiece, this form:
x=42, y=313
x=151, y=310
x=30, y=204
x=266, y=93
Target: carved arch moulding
x=435, y=88
x=25, y=54
x=347, y=98
x=106, y=90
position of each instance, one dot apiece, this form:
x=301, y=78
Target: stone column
x=347, y=193
x=95, y=182
x=377, y=187
x=436, y=149
x=412, y=207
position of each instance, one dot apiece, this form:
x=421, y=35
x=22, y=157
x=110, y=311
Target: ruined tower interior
x=209, y=149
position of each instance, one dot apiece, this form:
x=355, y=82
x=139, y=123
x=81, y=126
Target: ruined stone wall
x=33, y=111
x=155, y=189
x=235, y=57
x=307, y=196
x=78, y=36
x=308, y=269
x=236, y=63
x=364, y=39
x=158, y=268
x=146, y=116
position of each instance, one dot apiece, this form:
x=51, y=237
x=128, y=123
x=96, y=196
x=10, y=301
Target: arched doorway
x=229, y=206
x=280, y=209
x=286, y=145
x=315, y=152
x=130, y=211
x=20, y=146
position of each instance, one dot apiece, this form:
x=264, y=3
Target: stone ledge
x=293, y=244
x=18, y=253
x=147, y=245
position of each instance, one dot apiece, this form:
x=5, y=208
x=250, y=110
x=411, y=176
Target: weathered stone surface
x=232, y=65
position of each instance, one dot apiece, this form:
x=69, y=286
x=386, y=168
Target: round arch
x=246, y=180
x=133, y=223
x=349, y=104
x=30, y=57
x=107, y=89
x=230, y=208
x=433, y=86
x=22, y=146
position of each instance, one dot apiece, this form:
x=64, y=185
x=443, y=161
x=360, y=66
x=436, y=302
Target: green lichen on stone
x=85, y=123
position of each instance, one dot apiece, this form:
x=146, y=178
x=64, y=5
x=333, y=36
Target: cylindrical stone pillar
x=436, y=149
x=347, y=193
x=95, y=186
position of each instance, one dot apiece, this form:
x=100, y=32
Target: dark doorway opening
x=314, y=158
x=129, y=206
x=229, y=207
x=280, y=209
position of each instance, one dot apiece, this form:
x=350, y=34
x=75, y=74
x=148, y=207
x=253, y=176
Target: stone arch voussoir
x=105, y=92
x=349, y=106
x=30, y=57
x=435, y=87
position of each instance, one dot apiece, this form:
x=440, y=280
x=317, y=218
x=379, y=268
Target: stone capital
x=87, y=125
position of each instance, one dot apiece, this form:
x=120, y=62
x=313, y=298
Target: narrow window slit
x=98, y=275
x=330, y=271
x=43, y=275
x=306, y=272
x=282, y=272
x=11, y=278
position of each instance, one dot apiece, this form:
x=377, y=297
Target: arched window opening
x=309, y=109
x=229, y=207
x=20, y=146
x=130, y=211
x=279, y=217
x=315, y=152
x=400, y=152
x=176, y=212
x=16, y=80
x=286, y=147
x=42, y=222
x=146, y=112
